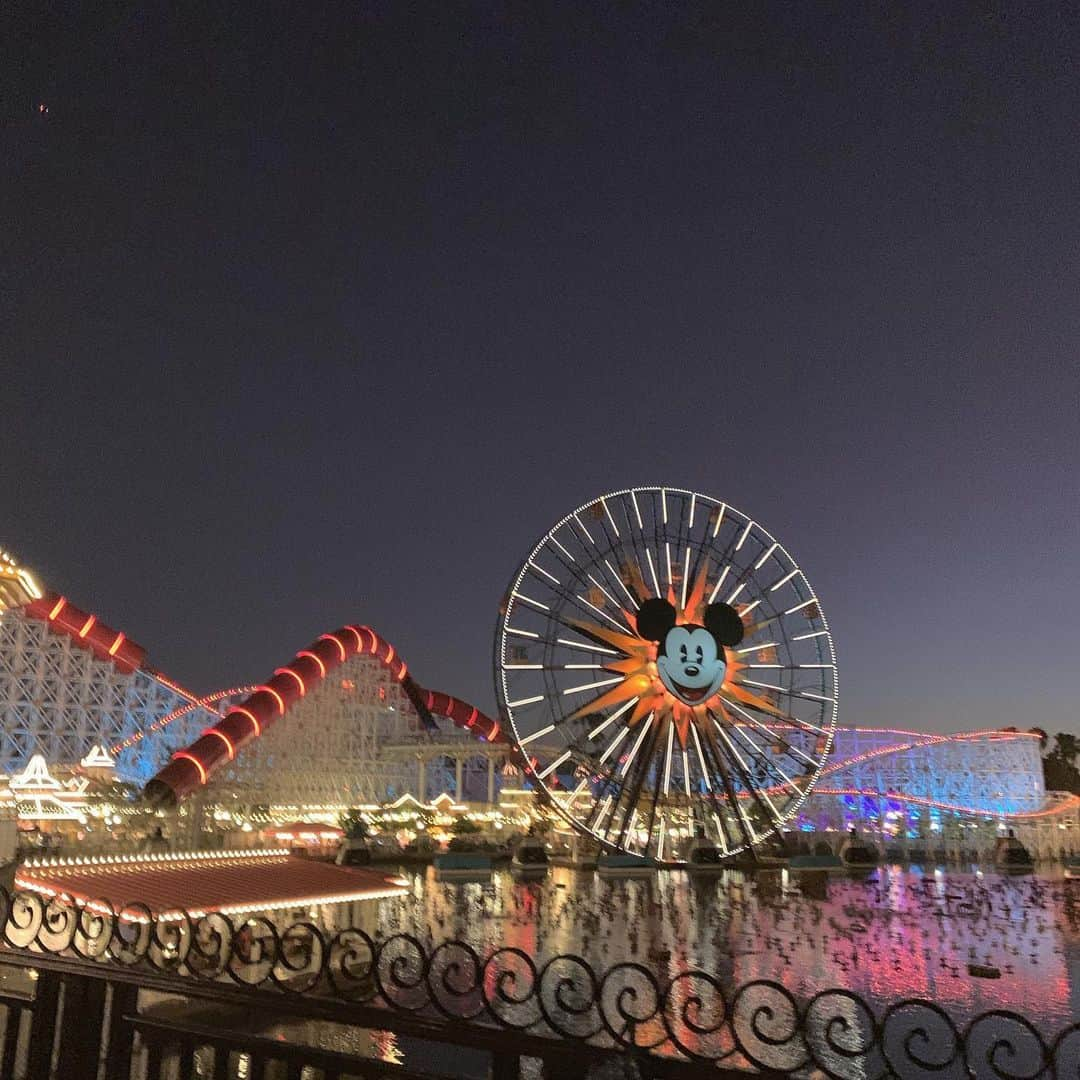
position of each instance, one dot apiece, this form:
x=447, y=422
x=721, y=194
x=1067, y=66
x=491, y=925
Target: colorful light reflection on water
x=893, y=934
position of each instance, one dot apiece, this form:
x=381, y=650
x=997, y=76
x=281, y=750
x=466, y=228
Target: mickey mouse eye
x=700, y=654
x=682, y=653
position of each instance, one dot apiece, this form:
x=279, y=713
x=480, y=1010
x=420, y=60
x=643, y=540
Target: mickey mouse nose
x=692, y=670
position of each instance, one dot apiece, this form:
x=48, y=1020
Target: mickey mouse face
x=691, y=664
x=691, y=661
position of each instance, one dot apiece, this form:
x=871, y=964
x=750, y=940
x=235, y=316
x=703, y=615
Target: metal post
x=421, y=793
x=491, y=780
x=80, y=1029
x=124, y=1001
x=457, y=779
x=43, y=1026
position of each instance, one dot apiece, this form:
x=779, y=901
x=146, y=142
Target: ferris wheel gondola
x=668, y=673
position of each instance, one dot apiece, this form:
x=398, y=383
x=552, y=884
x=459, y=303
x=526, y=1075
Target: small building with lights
x=272, y=884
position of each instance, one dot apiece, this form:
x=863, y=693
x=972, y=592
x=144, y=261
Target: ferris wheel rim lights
x=668, y=566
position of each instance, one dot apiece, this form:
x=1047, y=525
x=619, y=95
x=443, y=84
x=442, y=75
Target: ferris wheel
x=668, y=674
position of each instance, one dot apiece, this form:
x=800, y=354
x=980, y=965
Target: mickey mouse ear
x=724, y=623
x=655, y=618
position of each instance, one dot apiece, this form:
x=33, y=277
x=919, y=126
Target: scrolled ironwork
x=401, y=973
x=690, y=1014
x=919, y=1039
x=349, y=965
x=132, y=934
x=568, y=993
x=256, y=947
x=630, y=1003
x=509, y=987
x=841, y=1034
x=1002, y=1045
x=94, y=933
x=25, y=913
x=768, y=1026
x=170, y=942
x=211, y=946
x=454, y=974
x=301, y=958
x=59, y=921
x=695, y=1013
x=1064, y=1052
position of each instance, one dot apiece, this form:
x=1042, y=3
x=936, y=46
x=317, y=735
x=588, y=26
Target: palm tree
x=1068, y=746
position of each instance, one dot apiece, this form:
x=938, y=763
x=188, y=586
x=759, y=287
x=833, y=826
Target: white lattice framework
x=59, y=700
x=991, y=772
x=340, y=745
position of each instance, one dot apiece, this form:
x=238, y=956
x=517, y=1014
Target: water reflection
x=894, y=934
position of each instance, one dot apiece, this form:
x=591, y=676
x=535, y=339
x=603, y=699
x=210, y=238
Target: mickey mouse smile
x=688, y=693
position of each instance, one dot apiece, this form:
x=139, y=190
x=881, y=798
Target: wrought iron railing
x=662, y=1025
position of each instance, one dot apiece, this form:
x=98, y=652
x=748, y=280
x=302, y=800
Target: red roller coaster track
x=266, y=703
x=219, y=744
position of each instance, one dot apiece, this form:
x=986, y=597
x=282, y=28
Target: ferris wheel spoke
x=566, y=554
x=634, y=772
x=603, y=808
x=600, y=561
x=781, y=744
x=652, y=572
x=711, y=798
x=752, y=701
x=719, y=582
x=622, y=585
x=766, y=760
x=636, y=547
x=585, y=646
x=612, y=718
x=754, y=788
x=614, y=785
x=740, y=818
x=791, y=747
x=656, y=762
x=540, y=572
x=618, y=624
x=751, y=791
x=743, y=770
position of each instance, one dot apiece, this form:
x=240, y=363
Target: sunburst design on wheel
x=667, y=670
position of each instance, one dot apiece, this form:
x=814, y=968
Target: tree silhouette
x=1059, y=772
x=1068, y=746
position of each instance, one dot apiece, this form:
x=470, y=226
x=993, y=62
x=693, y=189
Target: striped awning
x=231, y=882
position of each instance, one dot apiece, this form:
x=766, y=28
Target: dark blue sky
x=324, y=313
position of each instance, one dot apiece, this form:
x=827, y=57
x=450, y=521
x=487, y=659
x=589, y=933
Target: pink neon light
x=250, y=715
x=277, y=697
x=289, y=671
x=183, y=755
x=224, y=738
x=337, y=642
x=314, y=656
x=57, y=608
x=937, y=804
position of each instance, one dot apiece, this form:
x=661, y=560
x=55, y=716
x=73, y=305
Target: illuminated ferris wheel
x=668, y=672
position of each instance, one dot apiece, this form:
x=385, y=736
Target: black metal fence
x=216, y=989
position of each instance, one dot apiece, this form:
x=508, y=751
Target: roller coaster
x=69, y=682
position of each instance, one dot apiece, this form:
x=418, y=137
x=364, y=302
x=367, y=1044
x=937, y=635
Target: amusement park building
x=344, y=723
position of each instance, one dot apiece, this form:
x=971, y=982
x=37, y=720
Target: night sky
x=325, y=312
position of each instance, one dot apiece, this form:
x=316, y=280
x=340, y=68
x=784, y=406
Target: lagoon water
x=893, y=934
